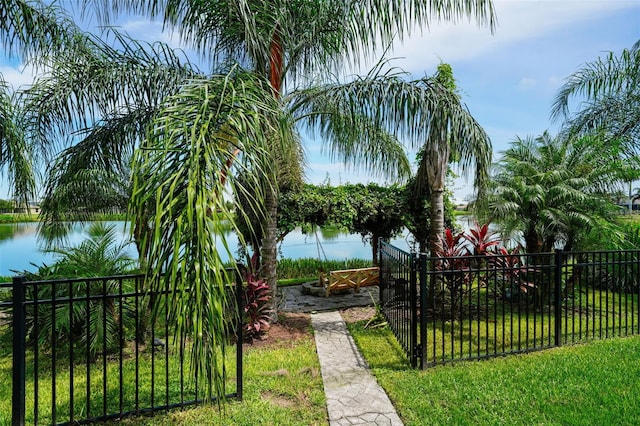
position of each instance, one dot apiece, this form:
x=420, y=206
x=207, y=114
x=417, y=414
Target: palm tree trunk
x=437, y=220
x=268, y=250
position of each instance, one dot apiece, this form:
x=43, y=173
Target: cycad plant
x=92, y=321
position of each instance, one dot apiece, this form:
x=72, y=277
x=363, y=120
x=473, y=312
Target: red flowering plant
x=256, y=302
x=453, y=268
x=512, y=271
x=481, y=239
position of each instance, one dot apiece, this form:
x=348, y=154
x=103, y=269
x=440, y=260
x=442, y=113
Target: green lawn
x=590, y=384
x=282, y=385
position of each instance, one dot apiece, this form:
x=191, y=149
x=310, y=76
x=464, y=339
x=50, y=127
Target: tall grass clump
x=310, y=267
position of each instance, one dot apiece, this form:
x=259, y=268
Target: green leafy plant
x=510, y=267
x=97, y=256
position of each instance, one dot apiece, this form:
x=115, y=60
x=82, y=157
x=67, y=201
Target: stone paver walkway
x=291, y=299
x=353, y=394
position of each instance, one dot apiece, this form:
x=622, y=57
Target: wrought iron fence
x=472, y=307
x=87, y=350
x=399, y=296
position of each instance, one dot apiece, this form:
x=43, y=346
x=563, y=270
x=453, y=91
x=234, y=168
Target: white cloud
x=17, y=76
x=150, y=31
x=518, y=20
x=527, y=83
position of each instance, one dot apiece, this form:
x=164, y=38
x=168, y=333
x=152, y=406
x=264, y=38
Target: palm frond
x=35, y=29
x=181, y=177
x=314, y=35
x=15, y=153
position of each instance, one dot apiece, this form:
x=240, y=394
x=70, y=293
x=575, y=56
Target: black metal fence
x=473, y=307
x=87, y=350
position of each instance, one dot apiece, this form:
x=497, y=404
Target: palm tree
x=609, y=90
x=287, y=42
x=212, y=128
x=455, y=135
x=33, y=30
x=552, y=190
x=97, y=102
x=15, y=153
x=186, y=164
x=426, y=112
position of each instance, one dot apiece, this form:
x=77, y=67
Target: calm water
x=20, y=249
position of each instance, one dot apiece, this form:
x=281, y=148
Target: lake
x=20, y=249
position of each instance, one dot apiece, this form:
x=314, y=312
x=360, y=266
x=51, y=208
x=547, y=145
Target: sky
x=507, y=79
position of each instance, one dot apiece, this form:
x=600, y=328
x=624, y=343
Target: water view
x=20, y=249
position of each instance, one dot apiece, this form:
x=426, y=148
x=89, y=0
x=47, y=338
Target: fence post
x=239, y=331
x=413, y=297
x=381, y=274
x=18, y=395
x=423, y=310
x=557, y=304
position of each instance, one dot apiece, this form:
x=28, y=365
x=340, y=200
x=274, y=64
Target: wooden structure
x=350, y=278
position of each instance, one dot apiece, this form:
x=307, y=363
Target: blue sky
x=508, y=79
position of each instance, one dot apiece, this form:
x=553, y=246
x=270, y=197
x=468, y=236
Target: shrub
x=97, y=256
x=256, y=302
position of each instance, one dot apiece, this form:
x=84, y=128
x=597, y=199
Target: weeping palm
x=15, y=152
x=99, y=101
x=32, y=30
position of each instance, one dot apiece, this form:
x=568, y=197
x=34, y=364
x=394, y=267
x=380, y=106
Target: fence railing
x=472, y=307
x=399, y=296
x=87, y=350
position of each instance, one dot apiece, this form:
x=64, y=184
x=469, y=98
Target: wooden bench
x=350, y=278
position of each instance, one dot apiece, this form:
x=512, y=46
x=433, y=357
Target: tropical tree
x=15, y=152
x=97, y=102
x=213, y=128
x=609, y=93
x=181, y=173
x=100, y=255
x=552, y=191
x=286, y=42
x=32, y=30
x=455, y=136
x=417, y=210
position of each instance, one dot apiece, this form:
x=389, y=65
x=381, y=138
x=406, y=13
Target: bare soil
x=289, y=328
x=295, y=326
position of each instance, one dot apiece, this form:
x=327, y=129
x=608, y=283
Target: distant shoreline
x=6, y=218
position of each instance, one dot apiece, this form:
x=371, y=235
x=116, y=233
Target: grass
x=588, y=384
x=34, y=217
x=310, y=267
x=18, y=217
x=295, y=281
x=282, y=385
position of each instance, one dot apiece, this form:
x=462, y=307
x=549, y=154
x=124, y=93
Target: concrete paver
x=353, y=394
